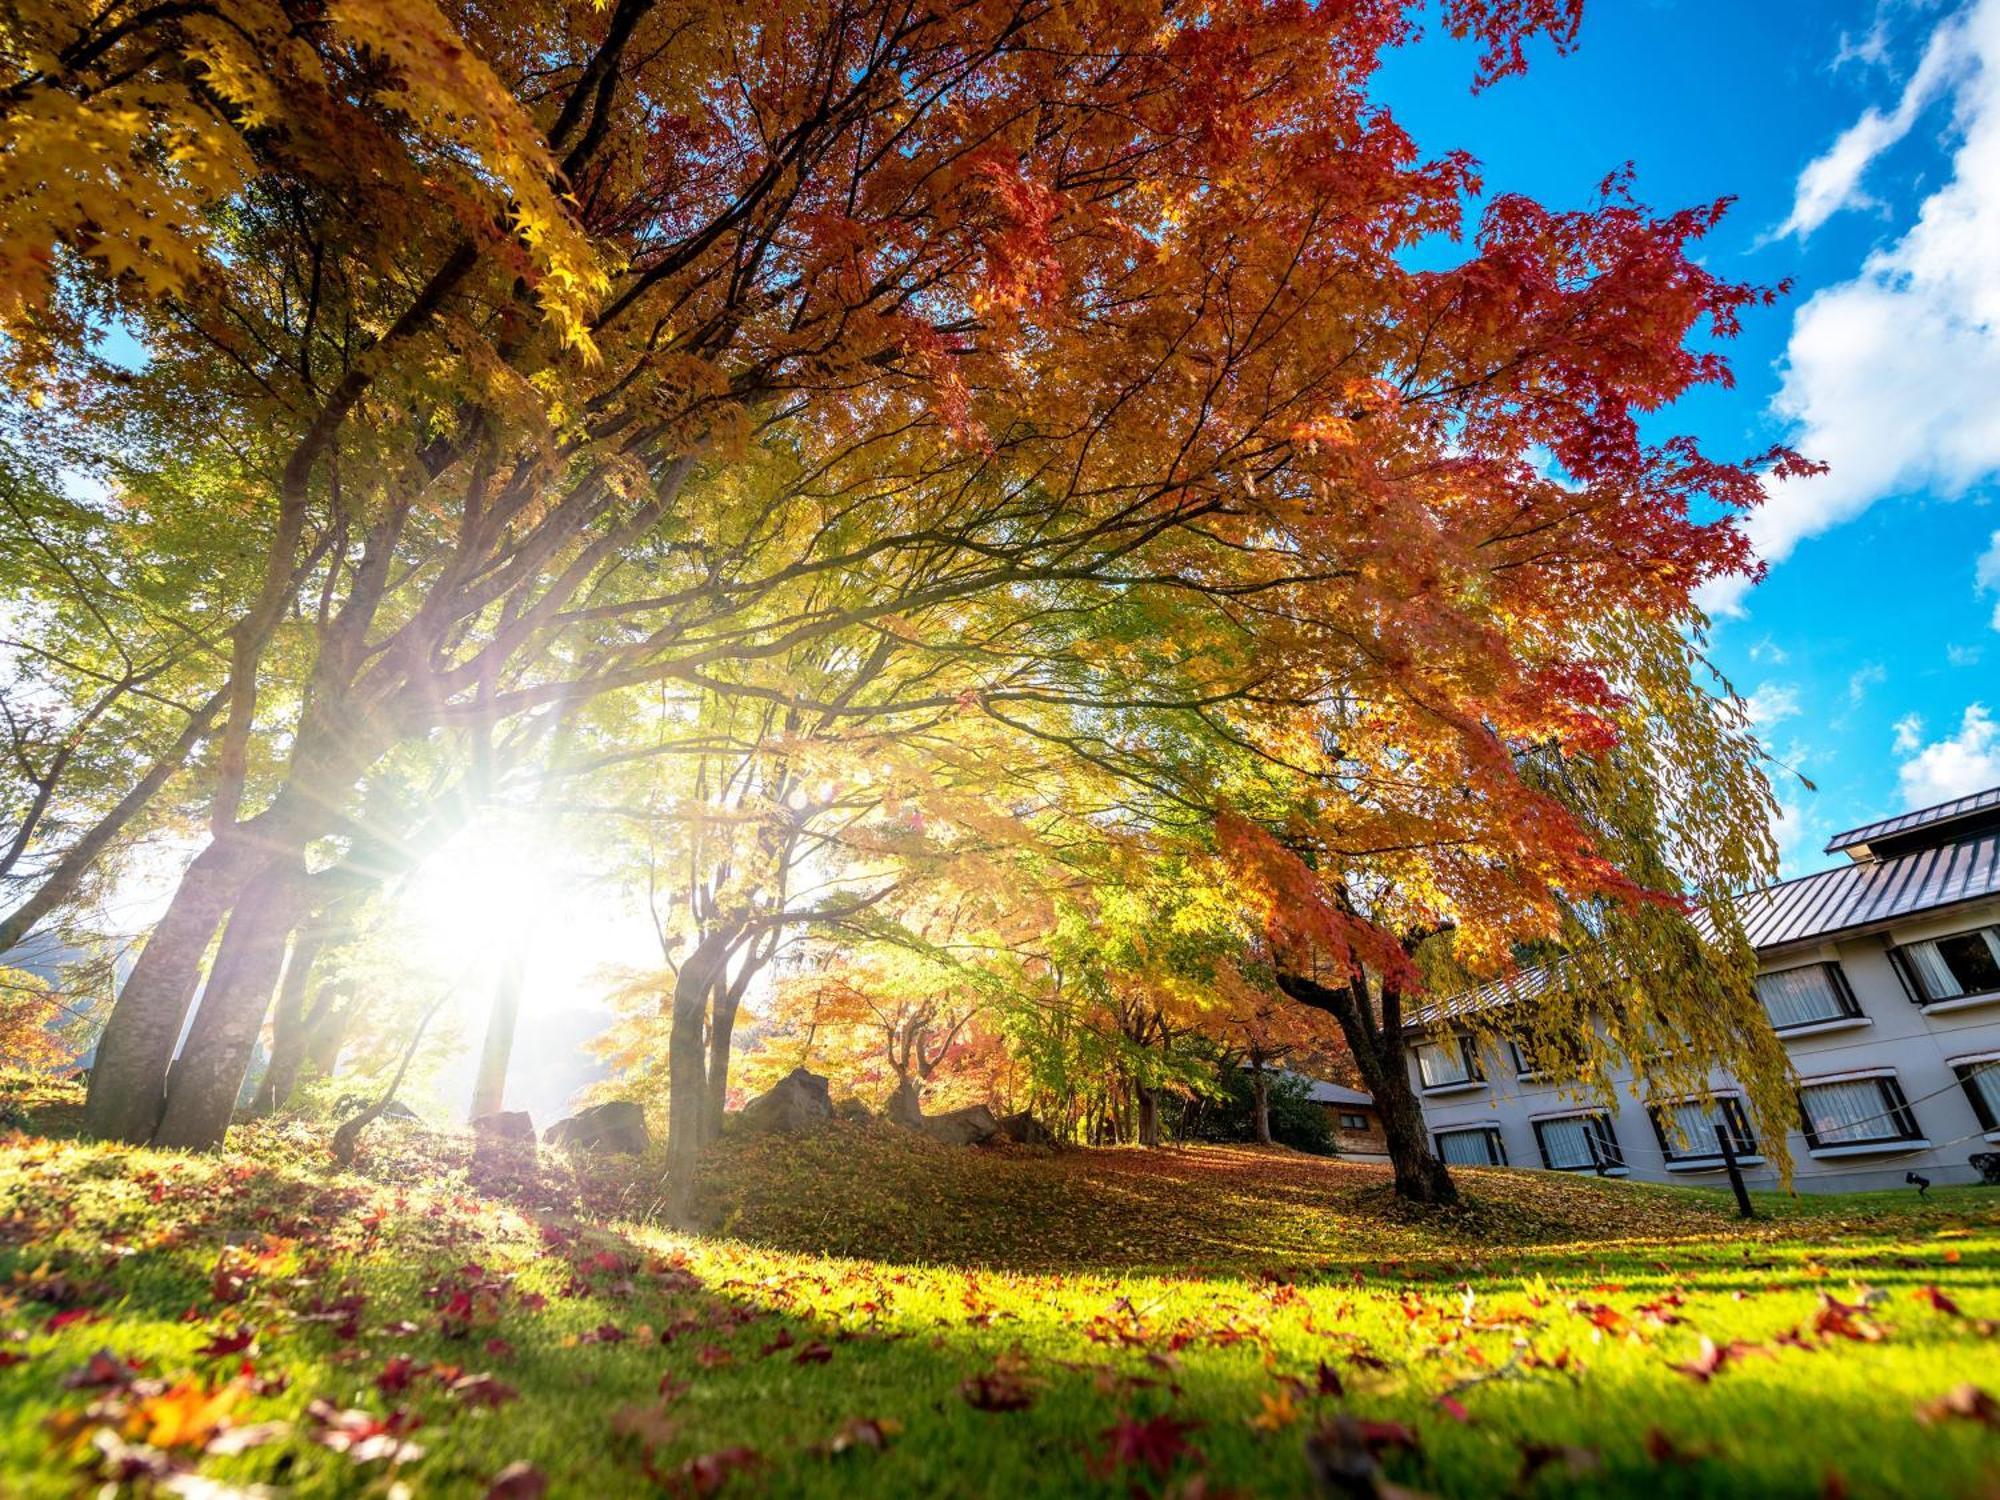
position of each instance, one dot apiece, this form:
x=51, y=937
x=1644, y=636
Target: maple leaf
x=1938, y=1301
x=396, y=1374
x=1276, y=1411
x=185, y=1415
x=1964, y=1401
x=863, y=1432
x=227, y=1342
x=707, y=1473
x=1156, y=1444
x=482, y=1390
x=1005, y=1387
x=363, y=1437
x=102, y=1370
x=518, y=1481
x=813, y=1354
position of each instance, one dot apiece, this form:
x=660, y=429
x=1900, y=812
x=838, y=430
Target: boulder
x=853, y=1110
x=507, y=1125
x=972, y=1126
x=1025, y=1130
x=798, y=1101
x=618, y=1125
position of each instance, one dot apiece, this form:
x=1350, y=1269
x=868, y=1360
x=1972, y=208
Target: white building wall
x=1918, y=1044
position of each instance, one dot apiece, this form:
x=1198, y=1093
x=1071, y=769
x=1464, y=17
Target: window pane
x=1441, y=1063
x=1934, y=975
x=1465, y=1148
x=1973, y=961
x=1842, y=1113
x=1696, y=1125
x=1983, y=1081
x=1799, y=997
x=1567, y=1142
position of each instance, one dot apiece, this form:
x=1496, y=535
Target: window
x=1856, y=1112
x=1478, y=1147
x=1447, y=1063
x=1579, y=1143
x=1353, y=1122
x=1980, y=1078
x=1562, y=1057
x=1806, y=997
x=1953, y=968
x=1687, y=1129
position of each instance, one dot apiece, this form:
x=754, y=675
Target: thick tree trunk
x=206, y=1079
x=328, y=1032
x=721, y=1029
x=290, y=1023
x=1149, y=1115
x=128, y=1078
x=687, y=1070
x=1379, y=1055
x=1260, y=1102
x=489, y=1089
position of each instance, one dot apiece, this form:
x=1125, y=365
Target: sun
x=489, y=891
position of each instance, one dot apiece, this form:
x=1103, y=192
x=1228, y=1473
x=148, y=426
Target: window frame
x=1349, y=1120
x=1730, y=1105
x=1597, y=1124
x=1850, y=1005
x=1913, y=984
x=1896, y=1111
x=1963, y=1069
x=1496, y=1148
x=1475, y=1075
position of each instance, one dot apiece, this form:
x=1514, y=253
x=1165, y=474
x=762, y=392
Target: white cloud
x=1987, y=574
x=1832, y=180
x=1962, y=763
x=1772, y=703
x=1963, y=656
x=1889, y=377
x=1768, y=650
x=1871, y=676
x=1909, y=733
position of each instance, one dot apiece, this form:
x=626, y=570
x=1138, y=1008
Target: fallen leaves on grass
x=518, y=1481
x=1005, y=1387
x=1964, y=1402
x=1156, y=1445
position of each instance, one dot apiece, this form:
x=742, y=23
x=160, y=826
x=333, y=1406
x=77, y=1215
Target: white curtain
x=1933, y=973
x=1442, y=1063
x=1798, y=997
x=1567, y=1142
x=1697, y=1129
x=1844, y=1113
x=1465, y=1148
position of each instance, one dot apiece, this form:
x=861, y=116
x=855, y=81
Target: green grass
x=1160, y=1321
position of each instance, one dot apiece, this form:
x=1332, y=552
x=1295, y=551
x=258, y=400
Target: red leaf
x=518, y=1481
x=396, y=1375
x=1939, y=1301
x=705, y=1475
x=1965, y=1401
x=713, y=1357
x=483, y=1390
x=1156, y=1445
x=813, y=1354
x=228, y=1343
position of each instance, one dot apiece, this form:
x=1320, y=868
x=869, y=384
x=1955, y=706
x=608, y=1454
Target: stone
x=507, y=1125
x=617, y=1125
x=972, y=1126
x=1025, y=1130
x=853, y=1110
x=798, y=1101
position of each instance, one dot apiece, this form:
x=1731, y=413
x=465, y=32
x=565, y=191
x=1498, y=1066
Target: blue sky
x=1861, y=139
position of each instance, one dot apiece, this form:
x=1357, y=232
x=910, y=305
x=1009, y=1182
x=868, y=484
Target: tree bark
x=687, y=1070
x=1379, y=1055
x=328, y=1030
x=721, y=1029
x=206, y=1079
x=489, y=1089
x=290, y=1023
x=128, y=1078
x=1149, y=1115
x=1260, y=1101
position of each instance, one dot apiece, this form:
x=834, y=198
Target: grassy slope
x=1146, y=1290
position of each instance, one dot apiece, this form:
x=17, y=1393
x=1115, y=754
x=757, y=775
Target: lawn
x=880, y=1315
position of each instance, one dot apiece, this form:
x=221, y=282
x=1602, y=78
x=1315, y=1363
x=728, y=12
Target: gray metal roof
x=1321, y=1092
x=1923, y=817
x=1843, y=899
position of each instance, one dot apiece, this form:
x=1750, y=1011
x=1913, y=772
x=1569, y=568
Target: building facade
x=1881, y=976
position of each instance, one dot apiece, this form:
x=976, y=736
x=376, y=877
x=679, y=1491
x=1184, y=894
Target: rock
x=853, y=1110
x=1025, y=1130
x=618, y=1125
x=798, y=1101
x=905, y=1108
x=972, y=1126
x=508, y=1125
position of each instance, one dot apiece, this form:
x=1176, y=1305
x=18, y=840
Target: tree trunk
x=687, y=1071
x=128, y=1078
x=1149, y=1115
x=489, y=1089
x=906, y=1105
x=208, y=1076
x=1260, y=1102
x=1378, y=1054
x=328, y=1033
x=721, y=1028
x=289, y=1024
